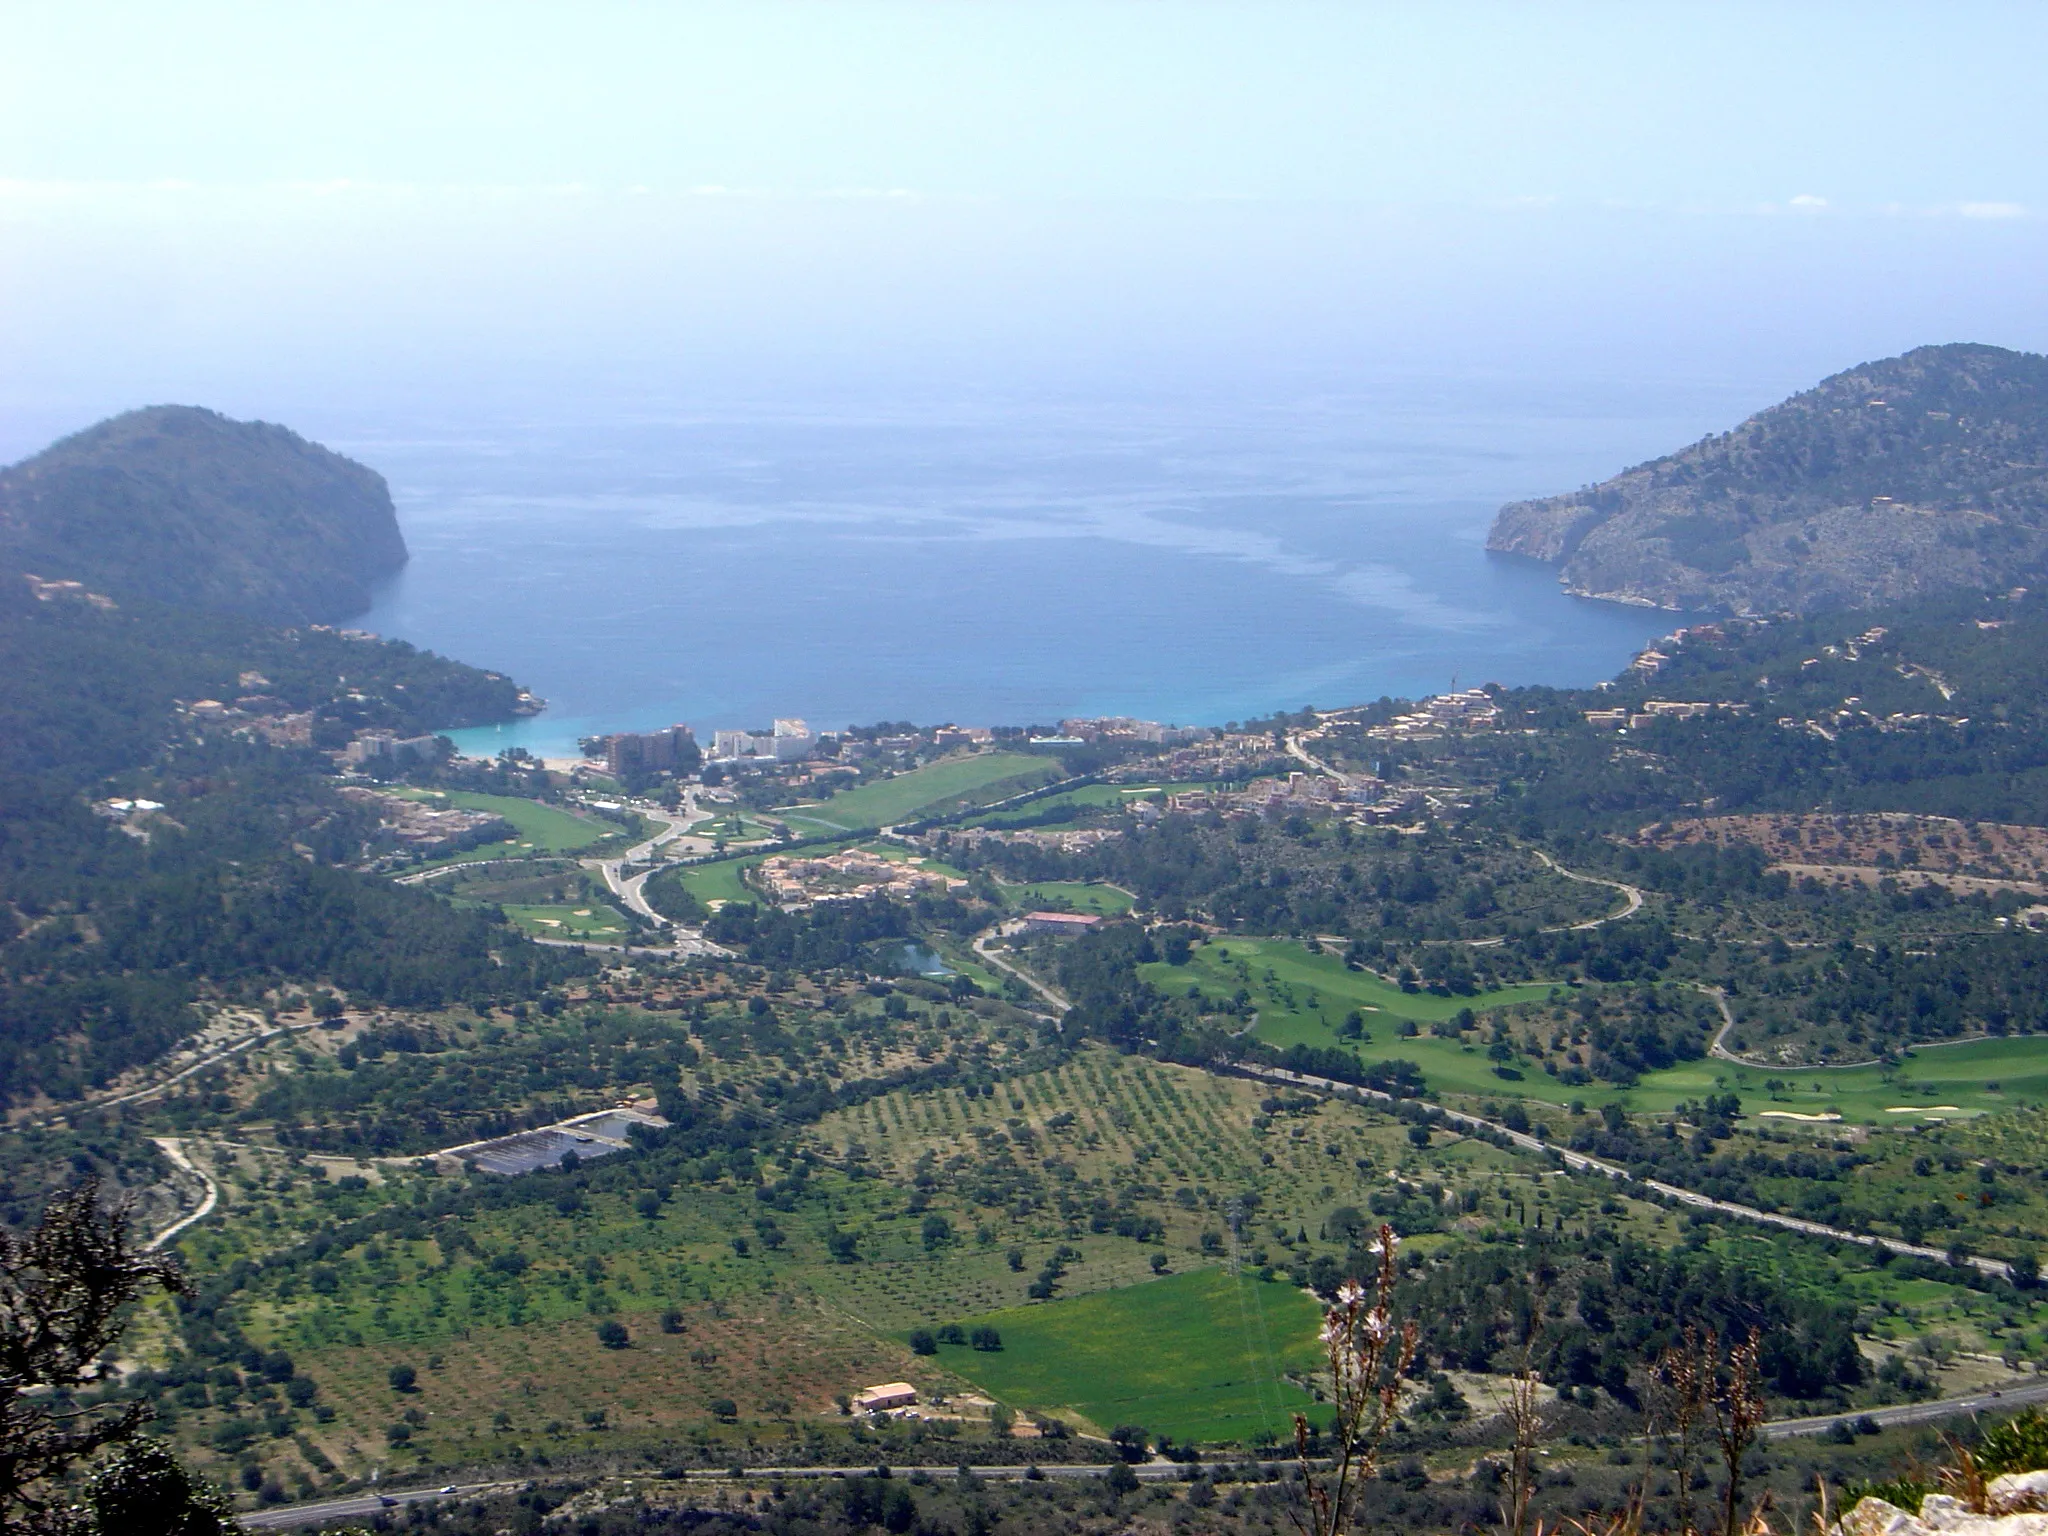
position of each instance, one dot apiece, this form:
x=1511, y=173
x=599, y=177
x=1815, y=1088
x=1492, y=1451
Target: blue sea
x=1198, y=558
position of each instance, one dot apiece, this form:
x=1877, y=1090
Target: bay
x=987, y=560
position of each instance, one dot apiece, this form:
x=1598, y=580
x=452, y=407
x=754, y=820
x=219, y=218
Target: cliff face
x=1896, y=479
x=188, y=507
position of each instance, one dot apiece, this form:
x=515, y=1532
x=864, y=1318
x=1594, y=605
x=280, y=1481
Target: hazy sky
x=1668, y=105
x=280, y=201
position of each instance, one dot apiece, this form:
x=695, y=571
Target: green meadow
x=887, y=801
x=1199, y=1356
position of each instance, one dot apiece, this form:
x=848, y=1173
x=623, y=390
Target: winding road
x=1054, y=1000
x=1632, y=905
x=174, y=1149
x=628, y=887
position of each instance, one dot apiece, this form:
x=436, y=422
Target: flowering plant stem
x=1368, y=1356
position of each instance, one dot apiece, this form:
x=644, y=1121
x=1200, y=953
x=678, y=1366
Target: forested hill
x=186, y=506
x=1897, y=479
x=91, y=688
x=110, y=932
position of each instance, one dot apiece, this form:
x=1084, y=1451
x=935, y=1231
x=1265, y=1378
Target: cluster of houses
x=1070, y=840
x=422, y=827
x=1464, y=709
x=1654, y=709
x=794, y=880
x=1122, y=728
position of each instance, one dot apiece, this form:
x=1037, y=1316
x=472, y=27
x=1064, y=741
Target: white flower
x=1377, y=1328
x=1350, y=1294
x=1333, y=1329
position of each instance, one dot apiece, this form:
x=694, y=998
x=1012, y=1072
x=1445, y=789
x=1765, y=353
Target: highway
x=365, y=1504
x=1991, y=1400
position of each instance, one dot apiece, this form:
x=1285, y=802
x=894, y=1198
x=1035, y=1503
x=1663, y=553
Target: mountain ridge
x=1895, y=479
x=184, y=505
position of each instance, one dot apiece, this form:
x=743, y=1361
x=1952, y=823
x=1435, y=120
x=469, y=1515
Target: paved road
x=981, y=942
x=213, y=1057
x=1296, y=750
x=1634, y=897
x=627, y=887
x=343, y=1509
x=1991, y=1400
x=175, y=1151
x=365, y=1504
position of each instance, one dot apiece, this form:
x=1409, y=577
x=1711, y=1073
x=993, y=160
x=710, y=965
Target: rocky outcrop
x=2014, y=1505
x=185, y=506
x=1897, y=479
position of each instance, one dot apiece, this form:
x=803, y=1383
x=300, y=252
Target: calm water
x=1195, y=560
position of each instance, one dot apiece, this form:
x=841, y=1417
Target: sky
x=289, y=206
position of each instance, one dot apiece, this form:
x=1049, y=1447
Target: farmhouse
x=892, y=1394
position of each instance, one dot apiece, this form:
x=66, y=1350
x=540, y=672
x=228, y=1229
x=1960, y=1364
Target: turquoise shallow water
x=1197, y=560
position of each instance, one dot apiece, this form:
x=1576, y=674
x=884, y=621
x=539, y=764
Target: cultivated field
x=1201, y=1356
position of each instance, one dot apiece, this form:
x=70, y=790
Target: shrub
x=922, y=1342
x=724, y=1409
x=985, y=1338
x=403, y=1378
x=612, y=1334
x=2020, y=1444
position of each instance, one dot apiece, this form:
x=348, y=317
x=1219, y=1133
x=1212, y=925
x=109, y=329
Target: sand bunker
x=1925, y=1109
x=1793, y=1114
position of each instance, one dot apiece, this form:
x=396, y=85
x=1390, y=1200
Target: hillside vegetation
x=1895, y=479
x=186, y=506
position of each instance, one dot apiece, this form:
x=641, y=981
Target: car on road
x=449, y=1489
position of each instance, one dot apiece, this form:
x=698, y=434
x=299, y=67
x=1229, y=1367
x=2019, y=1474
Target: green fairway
x=1925, y=1085
x=1088, y=796
x=596, y=922
x=1070, y=896
x=734, y=827
x=887, y=801
x=1198, y=1356
x=1303, y=997
x=541, y=828
x=719, y=881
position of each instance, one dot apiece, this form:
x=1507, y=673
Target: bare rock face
x=2016, y=1505
x=185, y=506
x=1897, y=479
